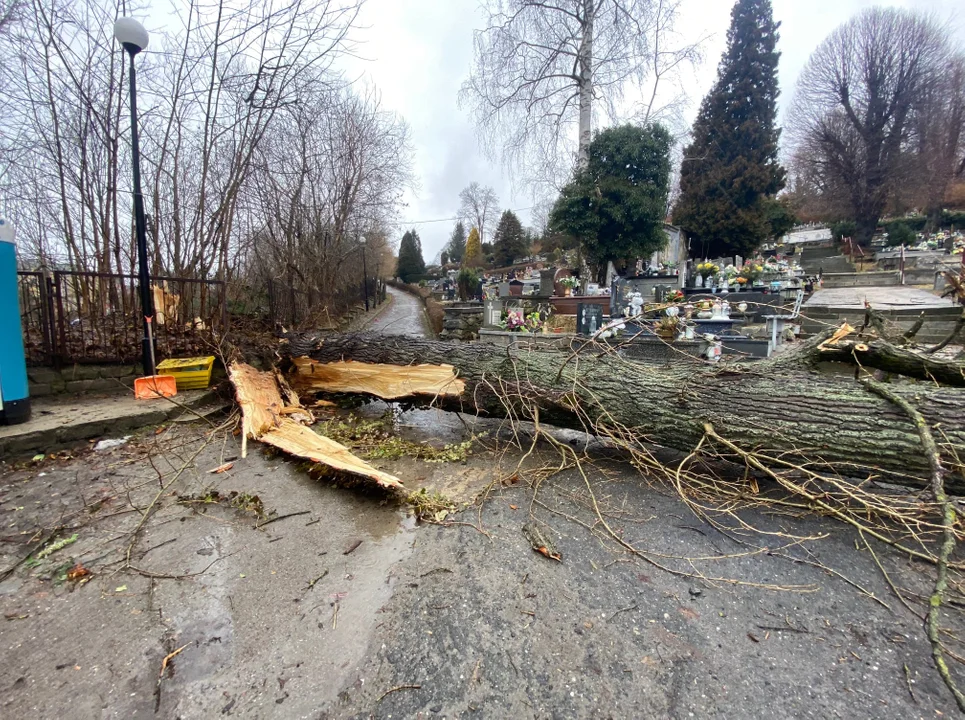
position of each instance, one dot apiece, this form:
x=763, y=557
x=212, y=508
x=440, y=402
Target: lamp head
x=131, y=34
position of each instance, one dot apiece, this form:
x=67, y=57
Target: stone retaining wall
x=82, y=378
x=462, y=322
x=868, y=279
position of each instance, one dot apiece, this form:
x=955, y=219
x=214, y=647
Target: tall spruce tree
x=730, y=171
x=509, y=241
x=457, y=243
x=411, y=267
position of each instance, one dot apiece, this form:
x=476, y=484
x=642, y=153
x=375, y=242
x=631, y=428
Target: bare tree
x=10, y=12
x=478, y=205
x=209, y=93
x=539, y=68
x=668, y=56
x=939, y=130
x=321, y=182
x=855, y=104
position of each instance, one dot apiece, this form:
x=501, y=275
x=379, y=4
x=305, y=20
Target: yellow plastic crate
x=189, y=373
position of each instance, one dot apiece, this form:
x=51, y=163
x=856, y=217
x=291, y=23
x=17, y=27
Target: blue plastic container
x=14, y=395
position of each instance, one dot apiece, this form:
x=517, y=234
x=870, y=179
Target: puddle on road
x=461, y=482
x=434, y=426
x=252, y=615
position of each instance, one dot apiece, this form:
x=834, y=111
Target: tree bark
x=882, y=355
x=586, y=84
x=775, y=409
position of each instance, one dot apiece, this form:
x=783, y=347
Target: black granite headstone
x=589, y=318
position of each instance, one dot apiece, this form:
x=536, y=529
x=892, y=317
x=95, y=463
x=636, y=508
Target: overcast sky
x=418, y=52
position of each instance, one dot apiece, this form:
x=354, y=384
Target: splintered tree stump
x=775, y=408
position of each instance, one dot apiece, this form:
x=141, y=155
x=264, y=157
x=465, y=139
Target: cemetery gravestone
x=589, y=318
x=493, y=313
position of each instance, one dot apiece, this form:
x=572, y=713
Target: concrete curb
x=46, y=440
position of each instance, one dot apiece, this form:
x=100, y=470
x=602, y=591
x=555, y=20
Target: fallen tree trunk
x=818, y=417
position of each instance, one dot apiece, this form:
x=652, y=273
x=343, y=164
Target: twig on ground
x=312, y=583
x=396, y=689
x=168, y=658
x=281, y=517
x=911, y=690
x=617, y=612
x=933, y=619
x=164, y=487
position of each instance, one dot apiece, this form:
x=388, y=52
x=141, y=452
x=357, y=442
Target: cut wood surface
x=388, y=382
x=296, y=439
x=266, y=417
x=772, y=408
x=259, y=398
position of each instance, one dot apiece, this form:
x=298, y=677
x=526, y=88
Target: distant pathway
x=406, y=316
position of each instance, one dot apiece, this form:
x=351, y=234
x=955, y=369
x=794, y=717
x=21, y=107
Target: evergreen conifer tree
x=730, y=171
x=509, y=241
x=457, y=243
x=411, y=267
x=473, y=256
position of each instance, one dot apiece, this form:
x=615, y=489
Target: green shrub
x=843, y=229
x=900, y=234
x=466, y=281
x=954, y=218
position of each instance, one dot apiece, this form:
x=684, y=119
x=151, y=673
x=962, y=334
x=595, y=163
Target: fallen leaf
x=514, y=507
x=543, y=550
x=224, y=467
x=688, y=613
x=120, y=588
x=77, y=572
x=751, y=636
x=38, y=458
x=441, y=515
x=353, y=547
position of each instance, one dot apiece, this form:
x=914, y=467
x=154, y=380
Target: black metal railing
x=77, y=316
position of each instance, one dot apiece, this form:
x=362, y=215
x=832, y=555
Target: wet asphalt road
x=405, y=317
x=350, y=611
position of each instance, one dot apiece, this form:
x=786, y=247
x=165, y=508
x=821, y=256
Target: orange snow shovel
x=154, y=386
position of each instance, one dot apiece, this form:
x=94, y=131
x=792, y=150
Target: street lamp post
x=365, y=276
x=132, y=35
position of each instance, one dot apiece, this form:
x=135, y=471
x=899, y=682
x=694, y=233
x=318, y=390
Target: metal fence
x=296, y=309
x=76, y=316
